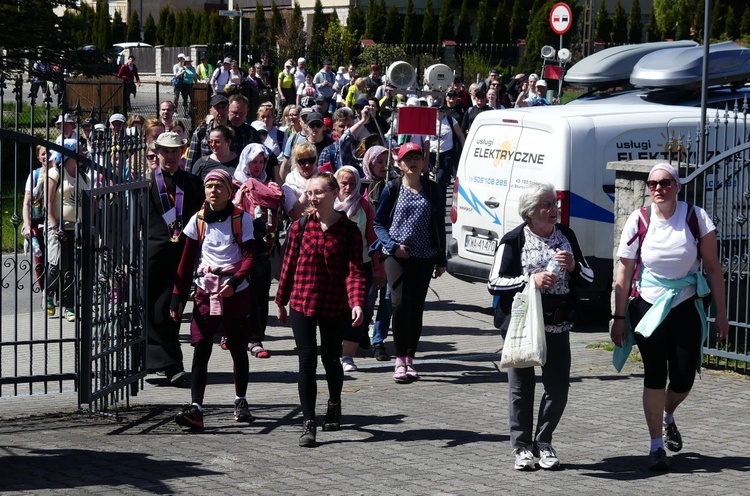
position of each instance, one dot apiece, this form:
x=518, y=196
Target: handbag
x=525, y=342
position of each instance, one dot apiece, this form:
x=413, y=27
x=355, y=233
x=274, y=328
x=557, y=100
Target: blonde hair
x=304, y=148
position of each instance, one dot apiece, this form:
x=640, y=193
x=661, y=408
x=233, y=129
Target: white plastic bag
x=525, y=343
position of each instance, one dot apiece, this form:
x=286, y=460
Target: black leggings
x=673, y=349
x=305, y=334
x=199, y=372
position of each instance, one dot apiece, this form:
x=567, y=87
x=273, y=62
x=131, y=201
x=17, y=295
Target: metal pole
x=559, y=81
x=239, y=20
x=704, y=79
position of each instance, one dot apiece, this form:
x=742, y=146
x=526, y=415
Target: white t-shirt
x=291, y=197
x=446, y=136
x=669, y=249
x=219, y=249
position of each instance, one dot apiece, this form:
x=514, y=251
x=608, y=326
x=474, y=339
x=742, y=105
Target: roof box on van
x=612, y=66
x=727, y=63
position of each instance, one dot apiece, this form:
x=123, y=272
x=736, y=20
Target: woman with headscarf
x=667, y=319
x=361, y=212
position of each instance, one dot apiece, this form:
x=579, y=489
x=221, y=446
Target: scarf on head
x=350, y=204
x=249, y=153
x=670, y=170
x=371, y=155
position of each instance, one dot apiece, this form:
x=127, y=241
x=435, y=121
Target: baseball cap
x=227, y=60
x=304, y=113
x=218, y=99
x=301, y=60
x=361, y=102
x=180, y=55
x=259, y=126
x=412, y=102
x=312, y=117
x=451, y=93
x=100, y=127
x=407, y=148
x=542, y=82
x=117, y=118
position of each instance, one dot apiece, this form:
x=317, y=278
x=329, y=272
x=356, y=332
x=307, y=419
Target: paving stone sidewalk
x=446, y=434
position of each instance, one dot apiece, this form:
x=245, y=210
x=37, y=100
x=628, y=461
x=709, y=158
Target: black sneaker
x=307, y=439
x=378, y=351
x=242, y=411
x=657, y=461
x=672, y=437
x=190, y=416
x=332, y=421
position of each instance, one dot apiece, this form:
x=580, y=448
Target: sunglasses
x=151, y=157
x=664, y=183
x=306, y=161
x=314, y=124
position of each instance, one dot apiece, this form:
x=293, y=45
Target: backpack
x=644, y=216
x=263, y=203
x=236, y=225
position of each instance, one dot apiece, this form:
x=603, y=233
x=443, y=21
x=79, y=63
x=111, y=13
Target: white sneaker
x=547, y=457
x=524, y=459
x=348, y=363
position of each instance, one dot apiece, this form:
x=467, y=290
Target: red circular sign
x=560, y=18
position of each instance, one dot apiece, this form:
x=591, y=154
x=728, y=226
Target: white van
x=568, y=146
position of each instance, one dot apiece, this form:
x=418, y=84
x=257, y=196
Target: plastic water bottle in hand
x=554, y=267
x=35, y=247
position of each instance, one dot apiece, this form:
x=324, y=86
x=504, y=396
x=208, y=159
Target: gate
x=73, y=322
x=722, y=187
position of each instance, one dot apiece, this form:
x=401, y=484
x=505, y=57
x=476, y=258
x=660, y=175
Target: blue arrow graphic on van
x=477, y=204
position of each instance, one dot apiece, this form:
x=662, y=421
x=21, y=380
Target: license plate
x=477, y=244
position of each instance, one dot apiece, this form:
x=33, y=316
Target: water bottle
x=554, y=267
x=35, y=247
x=258, y=212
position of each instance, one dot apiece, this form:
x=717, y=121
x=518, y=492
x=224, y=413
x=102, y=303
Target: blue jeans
x=383, y=318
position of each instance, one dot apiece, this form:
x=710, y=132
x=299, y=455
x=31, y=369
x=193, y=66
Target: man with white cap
x=175, y=195
x=300, y=72
x=116, y=122
x=221, y=76
x=66, y=125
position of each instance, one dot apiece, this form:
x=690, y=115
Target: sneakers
x=378, y=351
x=547, y=457
x=70, y=315
x=411, y=373
x=242, y=411
x=399, y=374
x=672, y=437
x=348, y=364
x=49, y=305
x=657, y=461
x=332, y=421
x=307, y=439
x=224, y=343
x=178, y=378
x=524, y=459
x=191, y=416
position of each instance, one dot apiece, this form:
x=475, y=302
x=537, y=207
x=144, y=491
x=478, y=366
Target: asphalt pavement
x=446, y=434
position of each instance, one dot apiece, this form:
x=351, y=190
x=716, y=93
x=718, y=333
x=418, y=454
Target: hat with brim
x=180, y=55
x=406, y=148
x=228, y=60
x=169, y=140
x=313, y=117
x=117, y=118
x=218, y=100
x=259, y=126
x=67, y=118
x=542, y=82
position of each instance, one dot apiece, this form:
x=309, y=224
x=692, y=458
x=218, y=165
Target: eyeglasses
x=549, y=204
x=664, y=183
x=315, y=124
x=318, y=192
x=151, y=157
x=306, y=160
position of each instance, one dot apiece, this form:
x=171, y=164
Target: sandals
x=257, y=350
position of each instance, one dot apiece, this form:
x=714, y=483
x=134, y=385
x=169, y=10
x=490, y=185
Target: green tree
x=484, y=23
x=410, y=34
x=161, y=25
x=500, y=27
x=294, y=34
x=134, y=27
x=428, y=24
x=718, y=19
x=635, y=23
x=261, y=34
x=665, y=12
x=104, y=31
x=392, y=33
x=170, y=29
x=200, y=30
x=519, y=20
x=463, y=33
x=602, y=23
x=318, y=34
x=538, y=35
x=356, y=22
x=732, y=26
x=119, y=28
x=215, y=29
x=149, y=30
x=372, y=14
x=179, y=29
x=653, y=33
x=189, y=34
x=684, y=25
x=745, y=23
x=277, y=20
x=445, y=23
x=339, y=42
x=619, y=24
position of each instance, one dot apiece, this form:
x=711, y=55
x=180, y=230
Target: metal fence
x=721, y=185
x=72, y=297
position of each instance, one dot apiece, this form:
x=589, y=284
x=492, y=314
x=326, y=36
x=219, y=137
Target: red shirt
x=320, y=278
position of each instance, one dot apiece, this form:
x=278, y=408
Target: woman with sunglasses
x=545, y=253
x=667, y=320
x=410, y=224
x=304, y=160
x=323, y=283
x=222, y=156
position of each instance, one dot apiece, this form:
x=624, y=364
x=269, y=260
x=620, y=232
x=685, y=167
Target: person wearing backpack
x=323, y=282
x=667, y=319
x=262, y=200
x=220, y=237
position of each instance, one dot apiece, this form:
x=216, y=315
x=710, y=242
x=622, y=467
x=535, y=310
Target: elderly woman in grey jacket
x=545, y=253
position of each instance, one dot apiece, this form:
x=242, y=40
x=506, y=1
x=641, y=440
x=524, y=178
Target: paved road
x=446, y=434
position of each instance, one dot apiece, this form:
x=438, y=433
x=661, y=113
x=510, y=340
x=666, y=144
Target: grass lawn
x=9, y=234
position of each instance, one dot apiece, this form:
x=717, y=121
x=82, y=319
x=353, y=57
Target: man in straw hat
x=174, y=197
